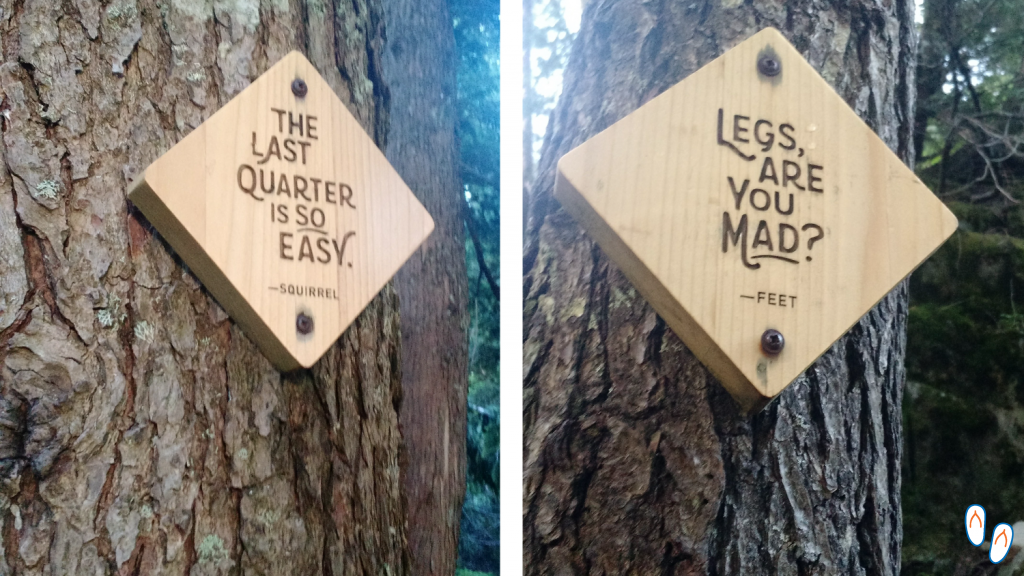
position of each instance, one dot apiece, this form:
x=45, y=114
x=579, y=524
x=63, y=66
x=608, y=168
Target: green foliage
x=965, y=328
x=964, y=425
x=483, y=422
x=479, y=544
x=964, y=405
x=961, y=454
x=970, y=117
x=476, y=27
x=464, y=572
x=479, y=541
x=476, y=38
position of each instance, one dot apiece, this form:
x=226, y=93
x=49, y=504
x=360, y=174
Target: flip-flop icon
x=974, y=520
x=1002, y=537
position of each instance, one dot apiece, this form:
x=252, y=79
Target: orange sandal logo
x=1002, y=534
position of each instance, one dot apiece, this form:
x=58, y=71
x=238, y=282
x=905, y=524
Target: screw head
x=772, y=342
x=303, y=323
x=769, y=66
x=299, y=87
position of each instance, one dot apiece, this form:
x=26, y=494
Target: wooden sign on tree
x=753, y=209
x=286, y=210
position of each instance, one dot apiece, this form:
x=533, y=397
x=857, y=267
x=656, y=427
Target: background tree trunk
x=419, y=67
x=140, y=431
x=636, y=460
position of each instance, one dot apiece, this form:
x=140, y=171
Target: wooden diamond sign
x=286, y=210
x=755, y=211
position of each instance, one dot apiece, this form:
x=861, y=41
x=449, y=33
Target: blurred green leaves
x=964, y=405
x=476, y=25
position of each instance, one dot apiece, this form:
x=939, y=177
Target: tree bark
x=419, y=67
x=636, y=460
x=141, y=431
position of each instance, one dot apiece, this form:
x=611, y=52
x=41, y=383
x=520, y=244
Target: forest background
x=476, y=25
x=963, y=409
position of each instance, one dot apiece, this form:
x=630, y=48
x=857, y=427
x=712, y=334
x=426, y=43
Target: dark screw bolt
x=299, y=87
x=769, y=66
x=303, y=323
x=772, y=342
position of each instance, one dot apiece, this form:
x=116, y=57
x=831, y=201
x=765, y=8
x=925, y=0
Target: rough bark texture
x=419, y=67
x=140, y=431
x=636, y=460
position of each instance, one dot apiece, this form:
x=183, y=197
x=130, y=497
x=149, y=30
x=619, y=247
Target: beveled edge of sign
x=747, y=395
x=190, y=249
x=750, y=397
x=213, y=279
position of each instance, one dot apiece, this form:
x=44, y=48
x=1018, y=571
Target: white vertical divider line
x=511, y=315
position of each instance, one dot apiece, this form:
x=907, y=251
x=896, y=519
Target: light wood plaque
x=283, y=206
x=738, y=201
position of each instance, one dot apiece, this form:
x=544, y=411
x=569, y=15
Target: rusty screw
x=299, y=87
x=303, y=323
x=769, y=66
x=772, y=342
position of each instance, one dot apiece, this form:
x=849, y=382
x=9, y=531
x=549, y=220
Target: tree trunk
x=419, y=67
x=636, y=460
x=141, y=431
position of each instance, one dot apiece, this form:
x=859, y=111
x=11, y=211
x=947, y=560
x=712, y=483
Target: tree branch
x=478, y=248
x=958, y=62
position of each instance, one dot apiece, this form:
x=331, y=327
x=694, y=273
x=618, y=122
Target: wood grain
x=738, y=202
x=420, y=69
x=143, y=432
x=636, y=460
x=283, y=205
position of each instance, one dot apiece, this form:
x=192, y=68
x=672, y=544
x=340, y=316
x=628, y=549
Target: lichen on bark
x=140, y=431
x=636, y=460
